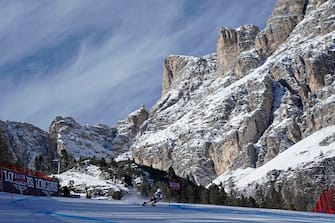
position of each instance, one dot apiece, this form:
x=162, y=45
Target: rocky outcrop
x=233, y=50
x=320, y=116
x=249, y=111
x=303, y=88
x=171, y=67
x=314, y=71
x=246, y=62
x=202, y=129
x=314, y=4
x=225, y=153
x=127, y=129
x=283, y=131
x=175, y=65
x=286, y=15
x=295, y=188
x=59, y=126
x=304, y=84
x=73, y=141
x=189, y=83
x=66, y=140
x=22, y=143
x=133, y=122
x=294, y=179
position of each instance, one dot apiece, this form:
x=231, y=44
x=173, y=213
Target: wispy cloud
x=99, y=60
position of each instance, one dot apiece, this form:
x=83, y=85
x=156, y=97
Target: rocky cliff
x=294, y=178
x=22, y=143
x=286, y=15
x=236, y=50
x=260, y=94
x=73, y=141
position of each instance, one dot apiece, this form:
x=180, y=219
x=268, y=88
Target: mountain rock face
x=66, y=140
x=286, y=15
x=73, y=141
x=260, y=94
x=22, y=143
x=300, y=187
x=172, y=66
x=233, y=50
x=76, y=141
x=294, y=178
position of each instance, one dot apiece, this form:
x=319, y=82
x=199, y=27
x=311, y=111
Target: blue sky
x=97, y=61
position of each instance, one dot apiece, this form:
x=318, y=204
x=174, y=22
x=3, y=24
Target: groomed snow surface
x=20, y=208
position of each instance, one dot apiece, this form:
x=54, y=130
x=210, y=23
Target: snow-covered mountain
x=298, y=174
x=247, y=115
x=22, y=143
x=68, y=141
x=75, y=141
x=310, y=151
x=259, y=95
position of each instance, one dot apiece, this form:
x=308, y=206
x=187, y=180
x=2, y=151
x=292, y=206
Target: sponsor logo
x=27, y=184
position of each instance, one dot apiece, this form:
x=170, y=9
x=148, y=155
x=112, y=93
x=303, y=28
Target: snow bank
x=310, y=149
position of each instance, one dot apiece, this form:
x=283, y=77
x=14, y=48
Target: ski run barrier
x=24, y=181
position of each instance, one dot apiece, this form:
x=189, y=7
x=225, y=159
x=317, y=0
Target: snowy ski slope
x=19, y=208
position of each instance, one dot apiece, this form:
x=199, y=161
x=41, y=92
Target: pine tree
x=273, y=199
x=252, y=202
x=103, y=162
x=216, y=195
x=5, y=155
x=37, y=165
x=19, y=162
x=144, y=188
x=203, y=195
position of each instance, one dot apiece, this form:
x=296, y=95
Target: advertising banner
x=15, y=182
x=174, y=185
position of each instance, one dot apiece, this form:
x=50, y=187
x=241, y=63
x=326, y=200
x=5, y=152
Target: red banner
x=326, y=202
x=15, y=182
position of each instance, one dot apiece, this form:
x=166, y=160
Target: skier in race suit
x=158, y=195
